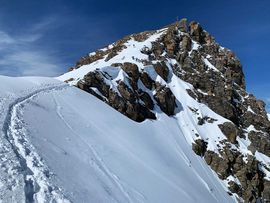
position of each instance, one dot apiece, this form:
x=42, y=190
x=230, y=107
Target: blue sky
x=47, y=37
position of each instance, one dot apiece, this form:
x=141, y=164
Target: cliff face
x=136, y=76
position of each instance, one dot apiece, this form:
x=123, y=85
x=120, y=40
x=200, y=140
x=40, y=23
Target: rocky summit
x=136, y=76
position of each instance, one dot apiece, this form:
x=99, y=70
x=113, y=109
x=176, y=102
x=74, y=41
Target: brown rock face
x=260, y=143
x=229, y=130
x=217, y=163
x=162, y=70
x=127, y=102
x=218, y=81
x=199, y=147
x=266, y=192
x=131, y=101
x=165, y=100
x=183, y=25
x=132, y=70
x=95, y=79
x=196, y=32
x=145, y=97
x=126, y=92
x=146, y=80
x=186, y=43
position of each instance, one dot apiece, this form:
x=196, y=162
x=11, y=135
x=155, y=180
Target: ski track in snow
x=28, y=178
x=100, y=165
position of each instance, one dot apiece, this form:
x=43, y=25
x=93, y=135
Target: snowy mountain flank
x=180, y=71
x=168, y=119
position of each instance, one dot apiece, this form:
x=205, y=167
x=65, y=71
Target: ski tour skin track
x=28, y=177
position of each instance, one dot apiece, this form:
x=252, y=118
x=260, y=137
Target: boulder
x=266, y=192
x=146, y=80
x=165, y=100
x=183, y=25
x=145, y=97
x=157, y=49
x=259, y=142
x=126, y=92
x=229, y=130
x=185, y=43
x=217, y=163
x=132, y=70
x=234, y=187
x=95, y=79
x=162, y=70
x=196, y=32
x=199, y=147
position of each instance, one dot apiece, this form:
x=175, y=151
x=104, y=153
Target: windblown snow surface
x=61, y=144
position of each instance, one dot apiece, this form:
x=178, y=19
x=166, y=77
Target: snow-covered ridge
x=132, y=53
x=201, y=76
x=62, y=144
x=62, y=133
x=29, y=177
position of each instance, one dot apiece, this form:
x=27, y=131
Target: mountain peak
x=180, y=70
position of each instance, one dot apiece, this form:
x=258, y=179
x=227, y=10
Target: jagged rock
x=133, y=84
x=145, y=97
x=234, y=187
x=238, y=163
x=208, y=157
x=209, y=39
x=186, y=43
x=217, y=163
x=95, y=79
x=140, y=37
x=185, y=61
x=183, y=25
x=71, y=69
x=126, y=92
x=157, y=49
x=138, y=113
x=117, y=65
x=162, y=70
x=165, y=100
x=90, y=58
x=117, y=47
x=117, y=102
x=69, y=80
x=146, y=80
x=229, y=130
x=133, y=110
x=266, y=192
x=146, y=50
x=199, y=147
x=125, y=103
x=202, y=120
x=196, y=32
x=218, y=81
x=259, y=142
x=170, y=41
x=132, y=70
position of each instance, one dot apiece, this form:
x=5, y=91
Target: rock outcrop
x=215, y=73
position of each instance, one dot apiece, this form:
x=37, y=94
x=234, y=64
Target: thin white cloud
x=31, y=63
x=19, y=55
x=5, y=38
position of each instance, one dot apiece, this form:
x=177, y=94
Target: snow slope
x=189, y=110
x=71, y=146
x=23, y=174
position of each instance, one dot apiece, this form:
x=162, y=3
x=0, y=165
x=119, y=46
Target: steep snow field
x=23, y=175
x=71, y=146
